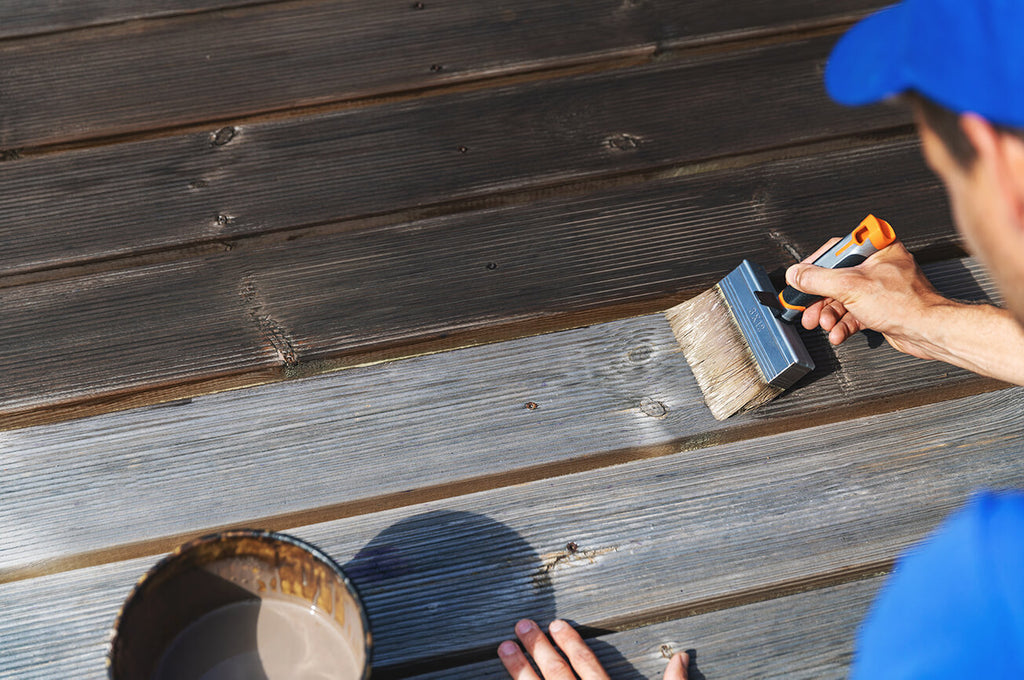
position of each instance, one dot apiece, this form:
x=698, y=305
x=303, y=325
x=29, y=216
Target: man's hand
x=887, y=293
x=581, y=662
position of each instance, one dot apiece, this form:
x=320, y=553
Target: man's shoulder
x=955, y=599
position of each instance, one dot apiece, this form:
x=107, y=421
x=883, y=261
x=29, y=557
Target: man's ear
x=1013, y=152
x=981, y=134
x=1003, y=153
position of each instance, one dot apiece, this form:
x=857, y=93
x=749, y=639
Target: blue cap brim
x=866, y=64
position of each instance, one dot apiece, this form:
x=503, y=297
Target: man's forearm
x=980, y=338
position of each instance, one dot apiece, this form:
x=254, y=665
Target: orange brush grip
x=785, y=304
x=879, y=232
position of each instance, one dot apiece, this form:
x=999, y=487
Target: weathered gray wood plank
x=441, y=425
x=807, y=635
x=661, y=537
x=655, y=538
x=216, y=66
x=28, y=17
x=214, y=186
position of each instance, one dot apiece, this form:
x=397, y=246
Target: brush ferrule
x=776, y=346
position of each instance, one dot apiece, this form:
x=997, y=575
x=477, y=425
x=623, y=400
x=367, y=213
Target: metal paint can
x=242, y=603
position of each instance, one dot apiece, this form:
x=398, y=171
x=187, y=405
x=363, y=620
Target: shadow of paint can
x=242, y=603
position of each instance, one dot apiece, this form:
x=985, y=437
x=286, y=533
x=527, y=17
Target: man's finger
x=845, y=328
x=831, y=314
x=677, y=668
x=812, y=315
x=514, y=661
x=551, y=664
x=580, y=656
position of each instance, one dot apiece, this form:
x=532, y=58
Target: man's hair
x=946, y=125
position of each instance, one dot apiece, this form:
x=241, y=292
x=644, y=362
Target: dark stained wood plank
x=656, y=538
x=442, y=425
x=28, y=17
x=110, y=335
x=298, y=307
x=213, y=186
x=190, y=69
x=588, y=258
x=807, y=635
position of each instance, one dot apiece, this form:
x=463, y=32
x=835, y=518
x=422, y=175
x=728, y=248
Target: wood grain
x=227, y=194
x=264, y=310
x=774, y=511
x=237, y=62
x=441, y=425
x=808, y=635
x=232, y=181
x=590, y=258
x=27, y=17
x=115, y=334
x=655, y=538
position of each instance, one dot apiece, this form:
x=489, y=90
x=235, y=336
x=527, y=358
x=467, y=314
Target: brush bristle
x=719, y=355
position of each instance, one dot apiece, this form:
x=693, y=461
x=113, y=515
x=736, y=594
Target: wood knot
x=623, y=142
x=223, y=136
x=640, y=355
x=652, y=407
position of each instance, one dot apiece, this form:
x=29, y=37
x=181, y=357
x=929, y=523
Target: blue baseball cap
x=967, y=55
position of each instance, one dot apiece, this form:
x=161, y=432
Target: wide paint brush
x=739, y=337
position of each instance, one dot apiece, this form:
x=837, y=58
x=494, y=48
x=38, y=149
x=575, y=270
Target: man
x=954, y=607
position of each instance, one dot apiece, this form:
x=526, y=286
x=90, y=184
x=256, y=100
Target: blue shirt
x=954, y=605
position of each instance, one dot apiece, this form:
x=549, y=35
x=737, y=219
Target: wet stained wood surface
x=192, y=68
x=388, y=276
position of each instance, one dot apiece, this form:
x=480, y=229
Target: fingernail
x=791, y=274
x=558, y=625
x=524, y=627
x=507, y=648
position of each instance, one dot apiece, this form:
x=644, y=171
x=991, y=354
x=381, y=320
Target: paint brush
x=739, y=337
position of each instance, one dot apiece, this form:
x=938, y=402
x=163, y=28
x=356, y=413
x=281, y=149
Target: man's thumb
x=809, y=278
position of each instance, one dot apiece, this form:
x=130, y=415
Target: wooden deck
x=387, y=276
